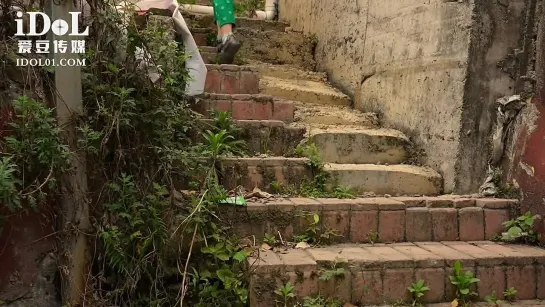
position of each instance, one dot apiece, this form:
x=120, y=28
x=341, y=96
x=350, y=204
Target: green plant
x=372, y=236
x=510, y=294
x=462, y=281
x=493, y=299
x=417, y=290
x=333, y=272
x=9, y=191
x=211, y=39
x=249, y=7
x=320, y=301
x=142, y=218
x=521, y=229
x=270, y=239
x=314, y=234
x=141, y=136
x=286, y=293
x=343, y=192
x=317, y=187
x=33, y=155
x=222, y=143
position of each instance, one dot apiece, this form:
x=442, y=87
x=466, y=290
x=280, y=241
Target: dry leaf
x=258, y=193
x=266, y=247
x=454, y=303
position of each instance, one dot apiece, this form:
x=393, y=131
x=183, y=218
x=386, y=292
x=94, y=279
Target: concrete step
x=378, y=274
x=288, y=72
x=396, y=180
x=246, y=107
x=377, y=220
x=272, y=137
x=231, y=79
x=324, y=116
x=386, y=179
x=304, y=91
x=360, y=146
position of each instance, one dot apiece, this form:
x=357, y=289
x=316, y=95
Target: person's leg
x=225, y=19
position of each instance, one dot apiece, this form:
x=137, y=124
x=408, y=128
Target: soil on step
x=322, y=116
x=274, y=47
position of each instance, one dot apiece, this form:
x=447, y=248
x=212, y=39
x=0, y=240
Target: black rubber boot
x=228, y=50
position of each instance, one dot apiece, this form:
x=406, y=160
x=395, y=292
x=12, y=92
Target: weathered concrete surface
x=525, y=154
x=429, y=67
x=288, y=72
x=360, y=146
x=303, y=90
x=386, y=179
x=324, y=115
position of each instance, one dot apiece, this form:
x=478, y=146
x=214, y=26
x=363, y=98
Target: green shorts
x=224, y=12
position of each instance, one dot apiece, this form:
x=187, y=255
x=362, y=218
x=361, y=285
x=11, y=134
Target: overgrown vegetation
x=152, y=247
x=335, y=271
x=33, y=157
x=286, y=295
x=418, y=290
x=315, y=233
x=521, y=230
x=463, y=282
x=318, y=186
x=320, y=301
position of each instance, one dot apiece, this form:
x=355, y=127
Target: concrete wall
x=525, y=152
x=428, y=67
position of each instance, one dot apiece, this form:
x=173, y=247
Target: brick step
x=387, y=179
x=378, y=274
x=383, y=220
x=267, y=136
x=359, y=145
x=231, y=79
x=209, y=49
x=304, y=91
x=210, y=57
x=204, y=36
x=246, y=107
x=263, y=172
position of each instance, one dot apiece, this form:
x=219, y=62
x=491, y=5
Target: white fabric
x=194, y=64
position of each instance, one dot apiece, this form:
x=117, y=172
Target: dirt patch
x=276, y=47
x=322, y=116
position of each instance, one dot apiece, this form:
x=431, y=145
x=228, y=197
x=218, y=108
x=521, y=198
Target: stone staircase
x=400, y=231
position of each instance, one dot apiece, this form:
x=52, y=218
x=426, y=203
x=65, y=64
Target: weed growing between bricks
x=521, y=230
x=318, y=186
